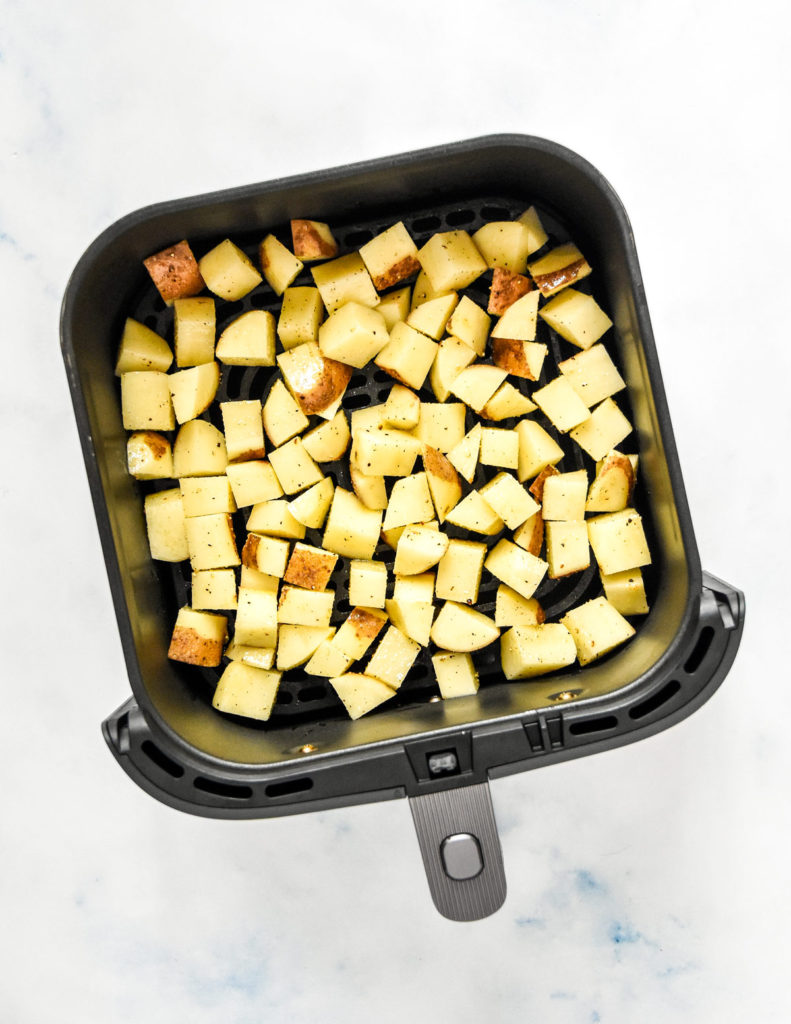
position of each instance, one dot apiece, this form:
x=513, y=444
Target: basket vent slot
x=585, y=726
x=309, y=693
x=656, y=700
x=426, y=224
x=458, y=217
x=290, y=786
x=161, y=760
x=555, y=731
x=699, y=651
x=534, y=737
x=224, y=789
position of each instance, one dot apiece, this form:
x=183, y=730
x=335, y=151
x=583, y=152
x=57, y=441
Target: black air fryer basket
x=309, y=756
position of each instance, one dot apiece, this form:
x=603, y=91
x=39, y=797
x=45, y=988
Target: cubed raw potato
x=511, y=609
x=297, y=644
x=198, y=638
x=194, y=327
x=305, y=607
x=418, y=588
x=611, y=489
x=257, y=657
x=504, y=243
x=537, y=449
x=370, y=490
x=418, y=549
x=295, y=469
x=142, y=349
x=618, y=541
x=345, y=280
x=244, y=430
x=211, y=541
x=597, y=627
x=353, y=334
x=279, y=265
x=518, y=322
x=530, y=534
x=352, y=529
x=412, y=618
x=561, y=404
x=410, y=502
x=394, y=306
x=361, y=627
x=165, y=526
x=431, y=317
x=476, y=384
x=451, y=261
x=149, y=456
x=475, y=514
x=509, y=500
x=402, y=408
x=367, y=583
x=423, y=292
x=564, y=496
x=247, y=691
x=441, y=426
x=283, y=418
x=459, y=628
x=464, y=456
x=309, y=567
x=626, y=592
x=387, y=452
x=329, y=441
x=390, y=257
x=192, y=391
x=568, y=550
x=560, y=267
x=519, y=358
x=301, y=313
x=199, y=450
x=456, y=674
x=459, y=571
x=175, y=272
x=252, y=579
x=214, y=589
x=506, y=289
x=593, y=375
x=527, y=651
x=311, y=507
x=603, y=430
x=145, y=401
x=360, y=693
x=312, y=240
x=499, y=447
x=367, y=418
x=253, y=482
x=516, y=567
x=537, y=486
x=266, y=554
x=228, y=272
x=407, y=356
x=443, y=482
x=328, y=660
x=538, y=237
x=393, y=658
x=275, y=519
x=317, y=382
x=470, y=324
x=206, y=495
x=452, y=357
x=249, y=340
x=576, y=317
x=256, y=618
x=506, y=403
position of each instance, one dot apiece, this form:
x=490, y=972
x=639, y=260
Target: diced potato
x=297, y=644
x=518, y=322
x=244, y=430
x=407, y=356
x=257, y=657
x=423, y=292
x=228, y=272
x=611, y=490
x=367, y=583
x=211, y=541
x=506, y=403
x=175, y=272
x=626, y=592
x=275, y=519
x=214, y=589
x=387, y=452
x=451, y=358
x=519, y=358
x=464, y=456
x=561, y=267
x=459, y=571
x=309, y=567
x=564, y=496
x=192, y=391
x=199, y=450
x=283, y=418
x=345, y=280
x=149, y=456
x=506, y=289
x=530, y=534
x=475, y=514
x=410, y=502
x=317, y=382
x=295, y=469
x=367, y=418
x=456, y=674
x=206, y=495
x=418, y=588
x=470, y=324
x=527, y=651
x=311, y=507
x=537, y=449
x=194, y=327
x=443, y=481
x=593, y=375
x=561, y=404
x=476, y=384
x=393, y=658
x=312, y=240
x=370, y=490
x=145, y=401
x=576, y=317
x=511, y=609
x=597, y=628
x=197, y=638
x=538, y=237
x=165, y=526
x=352, y=529
x=568, y=550
x=266, y=554
x=431, y=317
x=537, y=486
x=142, y=349
x=394, y=307
x=300, y=315
x=249, y=340
x=360, y=693
x=451, y=260
x=509, y=500
x=499, y=447
x=459, y=628
x=441, y=426
x=252, y=579
x=358, y=632
x=603, y=430
x=328, y=660
x=253, y=482
x=328, y=441
x=390, y=257
x=418, y=549
x=247, y=691
x=305, y=607
x=516, y=567
x=412, y=618
x=402, y=408
x=504, y=243
x=618, y=541
x=279, y=265
x=353, y=334
x=256, y=618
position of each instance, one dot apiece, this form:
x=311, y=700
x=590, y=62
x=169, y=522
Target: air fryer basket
x=309, y=755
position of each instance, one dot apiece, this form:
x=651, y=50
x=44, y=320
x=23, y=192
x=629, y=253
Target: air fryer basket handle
x=461, y=851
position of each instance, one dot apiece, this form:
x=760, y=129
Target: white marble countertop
x=647, y=884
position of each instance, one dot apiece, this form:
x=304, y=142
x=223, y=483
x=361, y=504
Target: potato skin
x=175, y=272
x=308, y=243
x=310, y=569
x=398, y=272
x=509, y=355
x=506, y=288
x=188, y=646
x=537, y=486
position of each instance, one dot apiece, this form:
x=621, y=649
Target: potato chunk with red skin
x=175, y=272
x=312, y=240
x=506, y=288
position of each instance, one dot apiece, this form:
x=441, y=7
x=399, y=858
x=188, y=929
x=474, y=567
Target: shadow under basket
x=309, y=756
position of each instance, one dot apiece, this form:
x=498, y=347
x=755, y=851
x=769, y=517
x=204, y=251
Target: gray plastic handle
x=461, y=851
